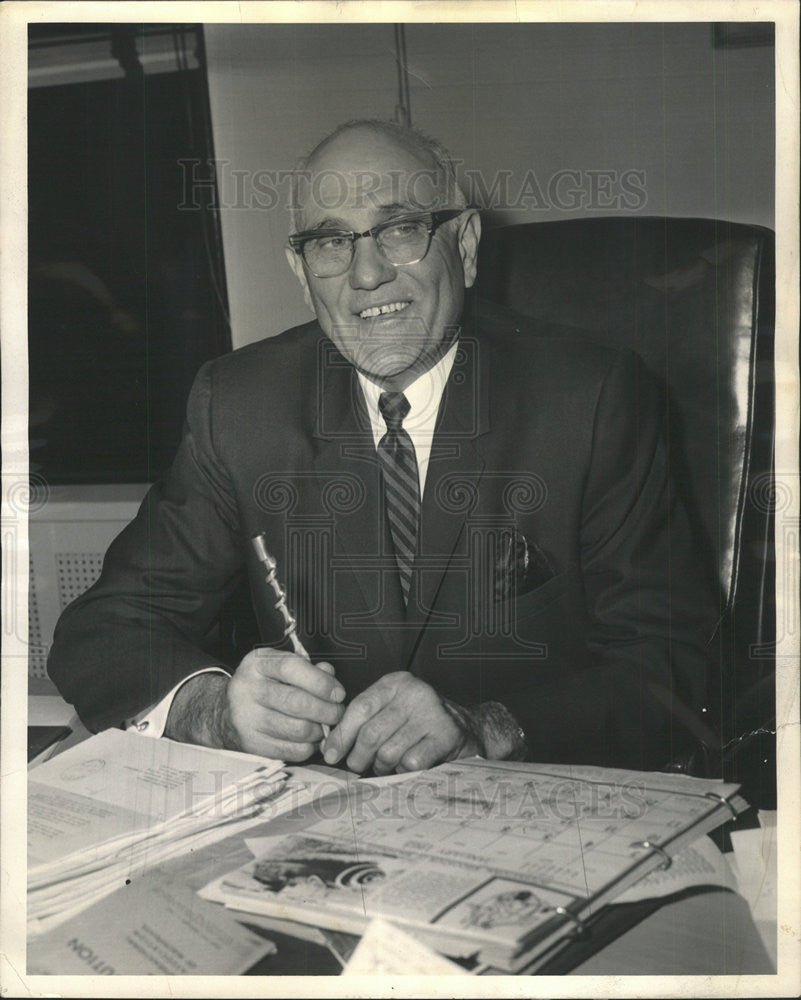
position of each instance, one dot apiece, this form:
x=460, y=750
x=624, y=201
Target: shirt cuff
x=152, y=721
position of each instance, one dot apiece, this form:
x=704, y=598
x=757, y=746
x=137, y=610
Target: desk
x=47, y=708
x=706, y=932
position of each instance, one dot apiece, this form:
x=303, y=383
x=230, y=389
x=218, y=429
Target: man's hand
x=274, y=705
x=399, y=724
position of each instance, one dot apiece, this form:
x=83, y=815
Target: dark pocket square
x=521, y=566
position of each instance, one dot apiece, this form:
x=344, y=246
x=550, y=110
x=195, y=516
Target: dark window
x=126, y=293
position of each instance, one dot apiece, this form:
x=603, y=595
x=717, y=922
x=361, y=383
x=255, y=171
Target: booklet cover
x=156, y=926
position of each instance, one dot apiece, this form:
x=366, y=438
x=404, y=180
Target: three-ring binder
x=723, y=801
x=578, y=924
x=647, y=845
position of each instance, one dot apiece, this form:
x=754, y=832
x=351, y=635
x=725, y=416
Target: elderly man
x=473, y=518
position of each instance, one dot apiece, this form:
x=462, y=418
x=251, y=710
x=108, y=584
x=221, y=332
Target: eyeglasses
x=404, y=240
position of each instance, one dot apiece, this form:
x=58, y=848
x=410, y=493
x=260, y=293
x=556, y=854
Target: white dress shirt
x=424, y=396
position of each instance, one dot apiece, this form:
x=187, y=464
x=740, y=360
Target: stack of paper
x=119, y=803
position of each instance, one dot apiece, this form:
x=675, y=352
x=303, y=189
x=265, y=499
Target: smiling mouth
x=390, y=307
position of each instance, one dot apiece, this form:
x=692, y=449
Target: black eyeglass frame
x=297, y=241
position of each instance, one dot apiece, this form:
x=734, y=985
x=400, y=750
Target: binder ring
x=667, y=860
x=723, y=801
x=578, y=923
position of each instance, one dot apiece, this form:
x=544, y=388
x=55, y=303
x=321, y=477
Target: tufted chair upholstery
x=694, y=298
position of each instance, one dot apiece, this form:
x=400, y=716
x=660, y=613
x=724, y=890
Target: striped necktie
x=401, y=489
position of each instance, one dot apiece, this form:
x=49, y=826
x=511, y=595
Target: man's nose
x=369, y=268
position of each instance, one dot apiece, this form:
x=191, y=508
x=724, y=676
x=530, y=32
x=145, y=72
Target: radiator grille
x=77, y=571
x=37, y=650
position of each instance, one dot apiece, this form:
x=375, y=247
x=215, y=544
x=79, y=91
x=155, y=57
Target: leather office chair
x=695, y=299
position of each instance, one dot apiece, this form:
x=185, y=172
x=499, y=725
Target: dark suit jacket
x=603, y=661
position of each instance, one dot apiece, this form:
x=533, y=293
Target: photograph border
x=14, y=19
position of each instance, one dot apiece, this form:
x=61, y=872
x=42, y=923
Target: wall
x=555, y=120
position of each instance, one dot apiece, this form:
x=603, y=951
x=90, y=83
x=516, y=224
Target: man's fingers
x=384, y=727
x=289, y=668
x=286, y=727
x=260, y=731
x=389, y=754
x=282, y=699
x=363, y=707
x=426, y=753
x=268, y=746
x=302, y=705
x=282, y=718
x=373, y=735
x=413, y=747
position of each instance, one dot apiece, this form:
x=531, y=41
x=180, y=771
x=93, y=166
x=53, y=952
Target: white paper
x=122, y=785
x=112, y=807
x=387, y=951
x=700, y=864
x=755, y=870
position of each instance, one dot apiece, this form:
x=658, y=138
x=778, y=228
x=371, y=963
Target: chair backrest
x=694, y=298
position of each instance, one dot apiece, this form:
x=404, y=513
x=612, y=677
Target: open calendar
x=494, y=860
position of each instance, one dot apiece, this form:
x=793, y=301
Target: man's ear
x=296, y=264
x=469, y=236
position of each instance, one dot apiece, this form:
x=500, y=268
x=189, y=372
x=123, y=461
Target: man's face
x=358, y=180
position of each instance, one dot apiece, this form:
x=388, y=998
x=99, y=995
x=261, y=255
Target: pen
x=290, y=624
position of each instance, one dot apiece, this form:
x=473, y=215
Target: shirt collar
x=424, y=395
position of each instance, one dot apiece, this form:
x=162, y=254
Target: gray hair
x=425, y=147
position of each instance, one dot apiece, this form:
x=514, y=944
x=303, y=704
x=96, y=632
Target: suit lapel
x=349, y=482
x=348, y=467
x=454, y=473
